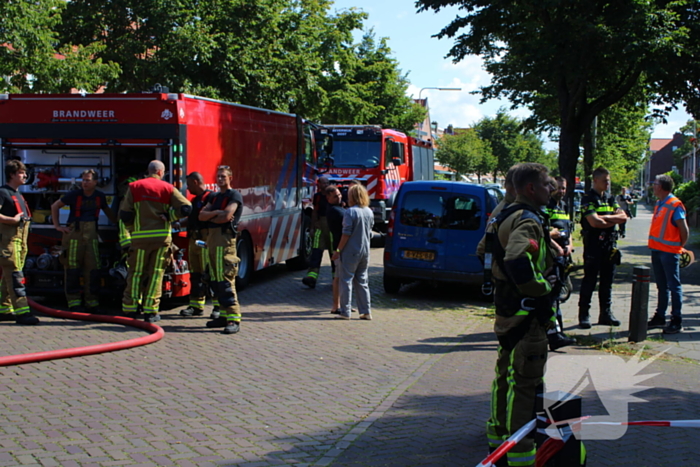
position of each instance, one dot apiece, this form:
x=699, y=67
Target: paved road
x=295, y=387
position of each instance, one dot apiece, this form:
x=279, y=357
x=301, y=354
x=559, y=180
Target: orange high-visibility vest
x=663, y=235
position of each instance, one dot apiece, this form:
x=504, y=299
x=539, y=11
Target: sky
x=423, y=58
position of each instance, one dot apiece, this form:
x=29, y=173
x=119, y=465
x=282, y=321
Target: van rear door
x=465, y=225
x=419, y=241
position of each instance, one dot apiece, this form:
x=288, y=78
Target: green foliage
x=569, y=60
x=30, y=61
x=510, y=142
x=285, y=55
x=466, y=153
x=623, y=134
x=689, y=194
x=677, y=178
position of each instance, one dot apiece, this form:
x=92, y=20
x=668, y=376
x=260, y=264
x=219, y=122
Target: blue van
x=433, y=232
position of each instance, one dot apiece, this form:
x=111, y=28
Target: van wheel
x=391, y=284
x=244, y=249
x=305, y=246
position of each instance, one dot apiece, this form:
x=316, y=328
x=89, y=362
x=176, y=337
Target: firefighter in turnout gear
x=147, y=210
x=198, y=256
x=223, y=213
x=14, y=229
x=80, y=241
x=321, y=235
x=600, y=215
x=560, y=232
x=524, y=286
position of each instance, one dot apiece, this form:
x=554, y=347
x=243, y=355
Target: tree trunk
x=588, y=156
x=569, y=140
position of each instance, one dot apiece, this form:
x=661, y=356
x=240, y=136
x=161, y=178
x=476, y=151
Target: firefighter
x=560, y=233
x=198, y=256
x=321, y=237
x=600, y=215
x=147, y=211
x=80, y=240
x=223, y=213
x=523, y=260
x=14, y=230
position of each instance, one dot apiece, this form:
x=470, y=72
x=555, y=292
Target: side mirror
x=396, y=161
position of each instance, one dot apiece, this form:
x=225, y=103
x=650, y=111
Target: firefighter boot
x=558, y=340
x=607, y=318
x=584, y=319
x=309, y=281
x=26, y=319
x=191, y=311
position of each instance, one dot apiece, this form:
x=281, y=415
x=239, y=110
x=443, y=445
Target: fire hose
x=157, y=334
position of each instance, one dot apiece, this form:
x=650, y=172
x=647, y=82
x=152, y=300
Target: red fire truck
x=272, y=156
x=381, y=159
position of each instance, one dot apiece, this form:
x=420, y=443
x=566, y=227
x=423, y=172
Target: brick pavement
x=636, y=253
x=295, y=387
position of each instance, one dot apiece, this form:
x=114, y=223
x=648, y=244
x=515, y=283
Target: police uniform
x=80, y=245
x=559, y=219
x=523, y=314
x=600, y=257
x=198, y=256
x=146, y=202
x=321, y=240
x=223, y=258
x=13, y=252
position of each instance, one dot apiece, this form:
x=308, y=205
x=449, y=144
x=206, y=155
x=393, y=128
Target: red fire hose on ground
x=157, y=334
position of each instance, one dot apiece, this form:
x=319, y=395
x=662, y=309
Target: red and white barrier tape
x=551, y=450
x=508, y=444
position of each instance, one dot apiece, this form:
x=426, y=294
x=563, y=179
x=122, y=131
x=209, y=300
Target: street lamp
x=418, y=126
x=439, y=89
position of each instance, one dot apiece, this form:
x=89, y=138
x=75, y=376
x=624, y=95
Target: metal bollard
x=561, y=406
x=639, y=311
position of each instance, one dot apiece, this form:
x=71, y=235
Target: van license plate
x=419, y=255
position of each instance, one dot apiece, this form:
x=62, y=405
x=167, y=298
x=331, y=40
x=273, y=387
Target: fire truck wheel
x=302, y=261
x=244, y=249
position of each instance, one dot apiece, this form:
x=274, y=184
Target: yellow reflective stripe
x=137, y=217
x=156, y=279
x=137, y=274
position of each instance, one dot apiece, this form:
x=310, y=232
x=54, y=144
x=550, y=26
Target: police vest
x=663, y=235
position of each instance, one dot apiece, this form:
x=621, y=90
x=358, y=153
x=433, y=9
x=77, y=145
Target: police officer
x=198, y=255
x=600, y=215
x=147, y=211
x=523, y=286
x=560, y=232
x=321, y=239
x=80, y=239
x=223, y=213
x=14, y=230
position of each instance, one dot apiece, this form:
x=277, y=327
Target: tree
x=466, y=153
x=510, y=142
x=576, y=58
x=367, y=87
x=622, y=141
x=30, y=60
x=284, y=55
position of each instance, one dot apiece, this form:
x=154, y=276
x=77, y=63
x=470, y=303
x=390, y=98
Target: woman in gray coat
x=353, y=252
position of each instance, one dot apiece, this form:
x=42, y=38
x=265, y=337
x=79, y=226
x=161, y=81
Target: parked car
x=433, y=232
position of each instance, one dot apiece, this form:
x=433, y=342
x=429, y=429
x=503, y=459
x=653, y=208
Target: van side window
x=463, y=213
x=441, y=211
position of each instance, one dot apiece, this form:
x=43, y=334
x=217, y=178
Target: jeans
x=353, y=273
x=668, y=279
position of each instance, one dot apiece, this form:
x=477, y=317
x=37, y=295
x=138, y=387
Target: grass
x=610, y=345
